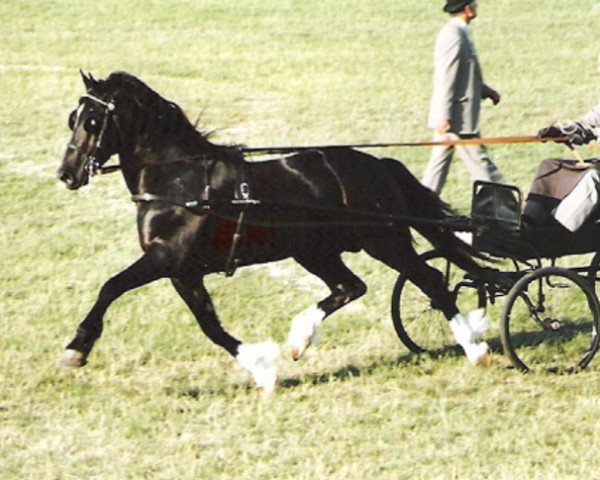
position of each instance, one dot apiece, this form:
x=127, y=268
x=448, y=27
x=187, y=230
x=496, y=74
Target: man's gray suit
x=458, y=89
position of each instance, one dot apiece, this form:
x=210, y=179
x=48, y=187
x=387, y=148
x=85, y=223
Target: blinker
x=72, y=118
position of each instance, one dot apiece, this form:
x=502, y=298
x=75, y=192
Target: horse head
x=122, y=115
x=95, y=136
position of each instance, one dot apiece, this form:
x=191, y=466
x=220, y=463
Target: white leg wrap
x=477, y=353
x=468, y=329
x=478, y=322
x=259, y=359
x=303, y=329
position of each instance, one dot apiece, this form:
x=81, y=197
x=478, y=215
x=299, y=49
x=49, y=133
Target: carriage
x=203, y=209
x=549, y=319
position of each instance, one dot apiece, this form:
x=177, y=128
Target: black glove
x=581, y=135
x=553, y=131
x=576, y=133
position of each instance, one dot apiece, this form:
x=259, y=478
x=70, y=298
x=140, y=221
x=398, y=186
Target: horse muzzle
x=70, y=179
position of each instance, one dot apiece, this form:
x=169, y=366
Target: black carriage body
x=504, y=227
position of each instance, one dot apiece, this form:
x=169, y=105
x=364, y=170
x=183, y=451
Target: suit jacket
x=457, y=82
x=591, y=120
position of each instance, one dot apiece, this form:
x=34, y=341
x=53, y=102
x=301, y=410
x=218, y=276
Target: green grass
x=158, y=400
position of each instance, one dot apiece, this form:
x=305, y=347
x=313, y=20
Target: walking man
x=458, y=89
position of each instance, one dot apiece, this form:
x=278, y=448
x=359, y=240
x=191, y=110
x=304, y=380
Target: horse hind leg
x=344, y=286
x=396, y=251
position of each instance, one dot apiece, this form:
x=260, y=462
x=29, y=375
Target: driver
x=575, y=208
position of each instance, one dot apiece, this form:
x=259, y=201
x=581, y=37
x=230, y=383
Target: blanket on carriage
x=553, y=181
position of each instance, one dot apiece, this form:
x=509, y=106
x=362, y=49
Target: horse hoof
x=478, y=353
x=73, y=359
x=485, y=360
x=259, y=359
x=298, y=350
x=303, y=329
x=267, y=391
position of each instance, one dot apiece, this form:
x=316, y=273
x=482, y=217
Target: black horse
x=201, y=208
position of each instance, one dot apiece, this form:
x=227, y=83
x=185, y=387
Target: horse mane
x=162, y=119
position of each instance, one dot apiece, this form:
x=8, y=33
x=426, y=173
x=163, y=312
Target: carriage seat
x=496, y=215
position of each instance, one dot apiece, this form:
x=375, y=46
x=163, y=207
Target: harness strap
x=348, y=218
x=206, y=204
x=151, y=197
x=108, y=105
x=233, y=260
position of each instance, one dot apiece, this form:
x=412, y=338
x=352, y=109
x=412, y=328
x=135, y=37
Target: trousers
x=475, y=158
x=578, y=205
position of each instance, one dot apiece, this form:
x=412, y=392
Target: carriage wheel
x=420, y=327
x=593, y=269
x=550, y=321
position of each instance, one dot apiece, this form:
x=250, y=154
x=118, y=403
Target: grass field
x=158, y=400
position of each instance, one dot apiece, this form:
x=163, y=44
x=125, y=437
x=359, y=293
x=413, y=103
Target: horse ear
x=88, y=81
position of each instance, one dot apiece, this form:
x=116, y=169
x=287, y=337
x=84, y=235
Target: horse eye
x=92, y=125
x=72, y=118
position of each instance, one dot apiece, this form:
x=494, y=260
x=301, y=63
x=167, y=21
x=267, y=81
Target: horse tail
x=423, y=203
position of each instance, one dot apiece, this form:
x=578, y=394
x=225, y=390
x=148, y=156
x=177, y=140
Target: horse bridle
x=92, y=165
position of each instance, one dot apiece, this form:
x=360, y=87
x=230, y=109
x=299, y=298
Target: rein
x=293, y=149
x=425, y=143
x=115, y=168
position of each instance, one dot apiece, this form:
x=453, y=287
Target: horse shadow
x=346, y=373
x=353, y=371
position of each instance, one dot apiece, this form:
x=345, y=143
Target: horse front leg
x=344, y=286
x=151, y=266
x=257, y=358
